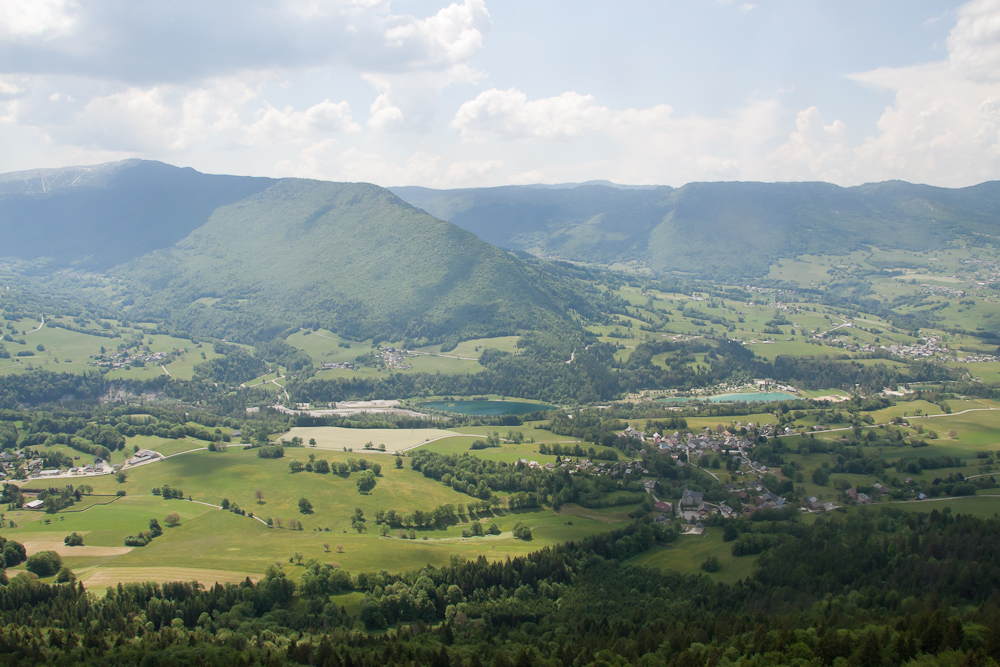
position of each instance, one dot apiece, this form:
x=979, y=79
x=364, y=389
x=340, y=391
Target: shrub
x=711, y=564
x=74, y=540
x=44, y=563
x=521, y=531
x=13, y=552
x=271, y=452
x=140, y=540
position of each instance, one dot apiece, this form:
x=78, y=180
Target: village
x=129, y=358
x=394, y=358
x=24, y=464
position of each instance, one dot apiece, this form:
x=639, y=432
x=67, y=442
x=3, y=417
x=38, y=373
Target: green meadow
x=210, y=542
x=688, y=552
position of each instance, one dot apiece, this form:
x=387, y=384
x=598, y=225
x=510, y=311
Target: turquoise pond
x=754, y=397
x=486, y=408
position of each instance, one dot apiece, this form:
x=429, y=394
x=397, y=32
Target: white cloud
x=507, y=114
x=814, y=150
x=32, y=18
x=221, y=114
x=385, y=115
x=288, y=125
x=151, y=70
x=189, y=41
x=944, y=124
x=974, y=42
x=11, y=86
x=328, y=160
x=650, y=145
x=455, y=34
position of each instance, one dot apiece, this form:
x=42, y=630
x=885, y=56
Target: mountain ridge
x=729, y=230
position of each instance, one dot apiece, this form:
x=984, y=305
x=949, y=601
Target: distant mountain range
x=250, y=257
x=729, y=231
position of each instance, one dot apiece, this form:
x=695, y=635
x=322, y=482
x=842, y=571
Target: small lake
x=486, y=408
x=751, y=397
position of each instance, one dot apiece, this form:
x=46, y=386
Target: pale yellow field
x=333, y=437
x=54, y=542
x=110, y=576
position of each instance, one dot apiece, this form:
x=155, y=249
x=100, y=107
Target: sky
x=477, y=93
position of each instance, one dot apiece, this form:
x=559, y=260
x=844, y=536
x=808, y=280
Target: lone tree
x=399, y=462
x=172, y=519
x=259, y=495
x=366, y=481
x=305, y=506
x=74, y=540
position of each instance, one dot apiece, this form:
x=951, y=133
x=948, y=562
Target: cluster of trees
x=38, y=387
x=439, y=517
x=343, y=468
x=167, y=492
x=56, y=499
x=43, y=563
x=235, y=366
x=529, y=487
x=476, y=529
x=915, y=466
x=96, y=432
x=13, y=552
x=579, y=452
x=270, y=452
x=146, y=536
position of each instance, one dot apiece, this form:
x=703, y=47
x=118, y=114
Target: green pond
x=752, y=397
x=486, y=408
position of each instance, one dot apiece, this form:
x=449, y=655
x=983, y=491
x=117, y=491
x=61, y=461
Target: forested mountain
x=714, y=230
x=249, y=257
x=352, y=257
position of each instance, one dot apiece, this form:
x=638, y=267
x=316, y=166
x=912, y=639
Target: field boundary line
x=199, y=449
x=931, y=500
x=953, y=414
x=219, y=507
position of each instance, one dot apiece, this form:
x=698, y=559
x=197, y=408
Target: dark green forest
x=867, y=589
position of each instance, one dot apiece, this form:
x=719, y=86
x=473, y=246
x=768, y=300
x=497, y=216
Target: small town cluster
x=132, y=357
x=23, y=464
x=394, y=358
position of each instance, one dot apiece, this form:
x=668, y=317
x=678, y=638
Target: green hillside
x=716, y=230
x=350, y=257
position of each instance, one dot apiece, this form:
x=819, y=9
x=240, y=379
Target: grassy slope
x=211, y=543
